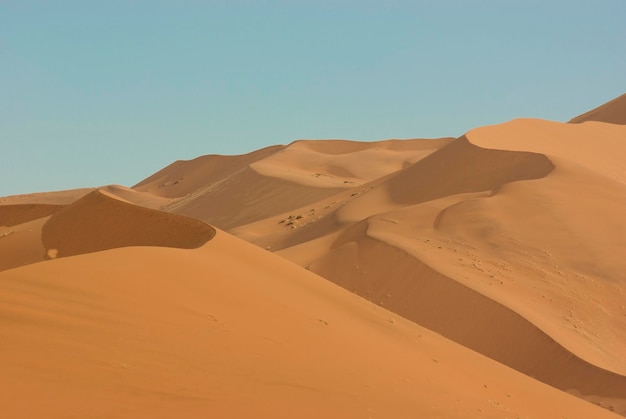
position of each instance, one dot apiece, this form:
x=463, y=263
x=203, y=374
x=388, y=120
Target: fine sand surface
x=481, y=276
x=228, y=330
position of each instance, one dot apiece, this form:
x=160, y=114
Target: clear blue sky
x=93, y=93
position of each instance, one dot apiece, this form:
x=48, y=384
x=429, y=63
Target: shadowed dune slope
x=229, y=330
x=229, y=191
x=458, y=167
x=363, y=264
x=613, y=112
x=11, y=215
x=462, y=167
x=46, y=198
x=246, y=197
x=596, y=146
x=21, y=244
x=100, y=221
x=187, y=176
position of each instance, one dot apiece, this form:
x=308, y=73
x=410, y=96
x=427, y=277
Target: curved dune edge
x=101, y=221
x=462, y=167
x=613, y=112
x=596, y=146
x=184, y=177
x=342, y=163
x=421, y=294
x=459, y=167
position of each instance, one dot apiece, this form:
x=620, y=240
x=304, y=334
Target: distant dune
x=11, y=215
x=613, y=112
x=481, y=276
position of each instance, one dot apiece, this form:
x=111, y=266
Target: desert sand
x=479, y=276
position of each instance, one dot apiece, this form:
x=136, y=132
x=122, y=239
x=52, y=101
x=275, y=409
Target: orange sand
x=493, y=265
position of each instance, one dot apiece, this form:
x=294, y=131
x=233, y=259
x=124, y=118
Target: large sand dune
x=228, y=330
x=493, y=264
x=97, y=221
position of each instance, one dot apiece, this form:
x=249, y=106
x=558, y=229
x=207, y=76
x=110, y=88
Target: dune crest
x=46, y=198
x=613, y=112
x=596, y=146
x=101, y=221
x=182, y=177
x=341, y=163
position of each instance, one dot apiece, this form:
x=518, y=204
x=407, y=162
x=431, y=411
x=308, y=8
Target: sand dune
x=596, y=146
x=144, y=199
x=11, y=215
x=613, y=112
x=229, y=191
x=421, y=294
x=499, y=256
x=245, y=197
x=458, y=167
x=185, y=177
x=100, y=221
x=229, y=330
x=343, y=164
x=21, y=244
x=46, y=198
x=514, y=214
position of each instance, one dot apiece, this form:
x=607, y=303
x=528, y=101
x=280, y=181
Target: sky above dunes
x=93, y=93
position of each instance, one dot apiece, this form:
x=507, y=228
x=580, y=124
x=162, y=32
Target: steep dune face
x=457, y=168
x=461, y=167
x=421, y=294
x=11, y=215
x=230, y=330
x=613, y=112
x=99, y=221
x=596, y=146
x=245, y=197
x=185, y=177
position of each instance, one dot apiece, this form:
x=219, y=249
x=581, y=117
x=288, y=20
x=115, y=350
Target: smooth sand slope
x=229, y=330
